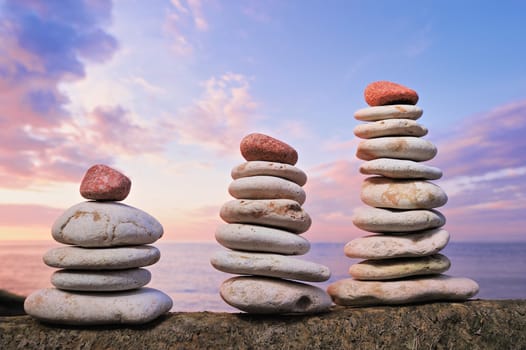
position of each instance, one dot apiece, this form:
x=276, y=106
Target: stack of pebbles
x=264, y=224
x=402, y=262
x=101, y=277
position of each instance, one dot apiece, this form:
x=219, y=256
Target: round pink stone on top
x=265, y=148
x=103, y=183
x=382, y=93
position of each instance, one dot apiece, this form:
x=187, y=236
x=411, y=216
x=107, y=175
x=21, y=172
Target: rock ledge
x=478, y=324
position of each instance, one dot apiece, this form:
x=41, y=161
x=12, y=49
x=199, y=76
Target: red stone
x=103, y=183
x=381, y=93
x=262, y=147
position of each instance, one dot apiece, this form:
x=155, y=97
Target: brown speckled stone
x=103, y=183
x=350, y=292
x=381, y=93
x=381, y=192
x=262, y=147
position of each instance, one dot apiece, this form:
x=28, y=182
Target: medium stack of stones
x=263, y=230
x=101, y=276
x=402, y=261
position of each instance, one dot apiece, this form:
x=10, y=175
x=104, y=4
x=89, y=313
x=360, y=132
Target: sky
x=165, y=90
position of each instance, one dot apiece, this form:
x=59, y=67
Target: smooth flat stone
x=421, y=243
x=350, y=292
x=101, y=258
x=258, y=167
x=400, y=169
x=73, y=308
x=280, y=213
x=100, y=281
x=261, y=239
x=260, y=295
x=382, y=93
x=104, y=184
x=398, y=147
x=387, y=269
x=390, y=127
x=396, y=221
x=263, y=147
x=105, y=224
x=381, y=192
x=266, y=187
x=371, y=114
x=270, y=265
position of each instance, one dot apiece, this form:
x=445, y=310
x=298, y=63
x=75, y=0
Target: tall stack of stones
x=263, y=231
x=101, y=278
x=403, y=264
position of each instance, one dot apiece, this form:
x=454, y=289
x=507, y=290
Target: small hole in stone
x=303, y=302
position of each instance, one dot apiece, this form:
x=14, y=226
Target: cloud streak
x=185, y=18
x=220, y=118
x=485, y=142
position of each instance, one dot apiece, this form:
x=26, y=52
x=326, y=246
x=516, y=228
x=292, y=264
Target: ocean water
x=184, y=271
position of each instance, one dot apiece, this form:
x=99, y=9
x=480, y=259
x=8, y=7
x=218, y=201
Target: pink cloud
x=220, y=118
x=43, y=45
x=28, y=214
x=112, y=128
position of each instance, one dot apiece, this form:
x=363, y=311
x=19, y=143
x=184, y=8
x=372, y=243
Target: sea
x=184, y=271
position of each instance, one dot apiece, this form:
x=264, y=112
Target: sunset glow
x=165, y=90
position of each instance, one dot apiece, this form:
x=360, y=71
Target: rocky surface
x=469, y=325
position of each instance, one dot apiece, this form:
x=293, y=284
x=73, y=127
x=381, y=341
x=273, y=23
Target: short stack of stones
x=403, y=264
x=264, y=226
x=101, y=276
